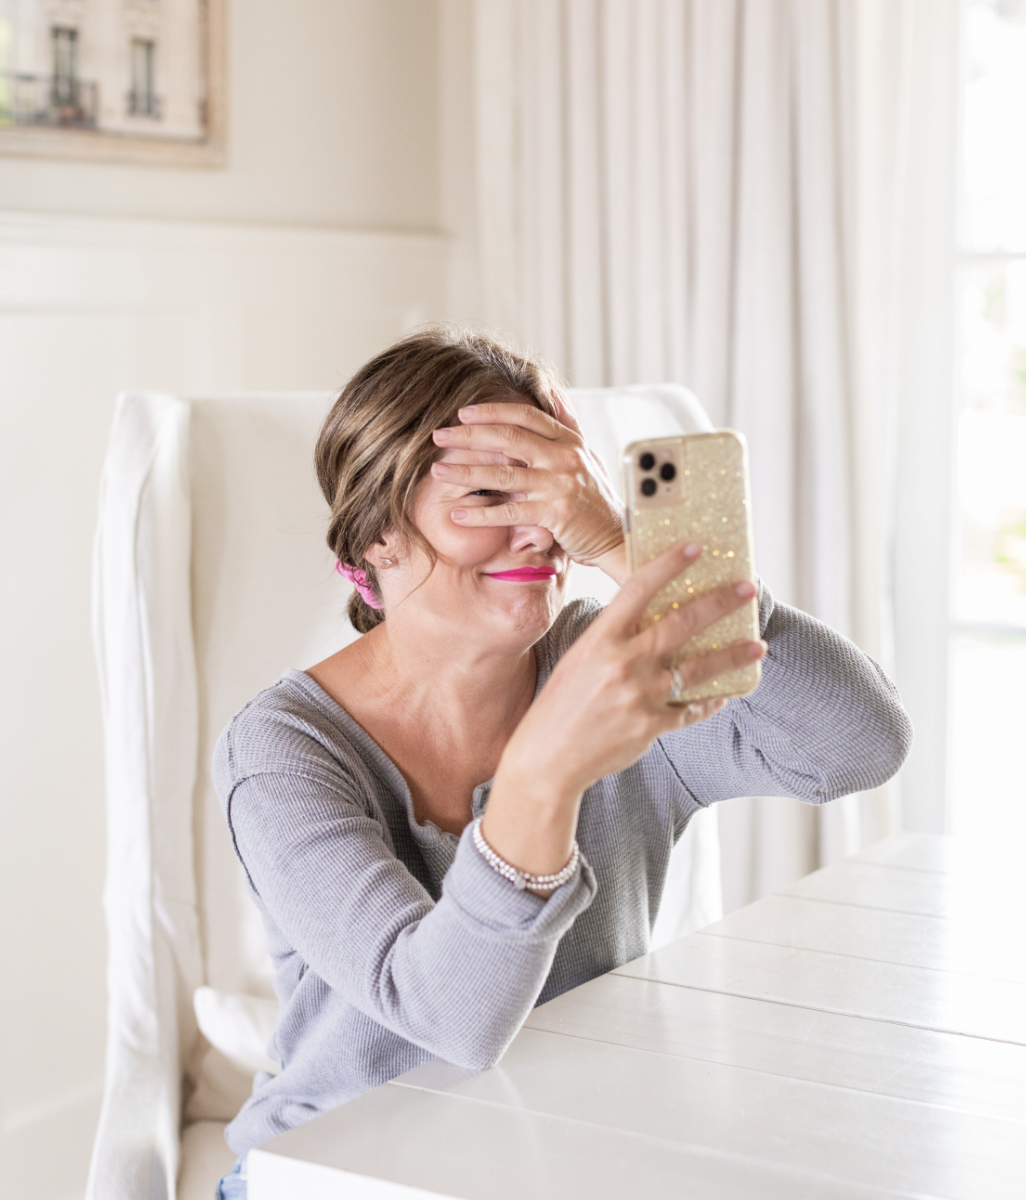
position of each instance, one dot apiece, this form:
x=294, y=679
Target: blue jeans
x=233, y=1186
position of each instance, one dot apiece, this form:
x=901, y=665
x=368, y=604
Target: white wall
x=316, y=245
x=332, y=114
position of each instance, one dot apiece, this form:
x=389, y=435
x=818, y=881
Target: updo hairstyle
x=375, y=445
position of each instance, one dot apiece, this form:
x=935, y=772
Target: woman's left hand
x=551, y=477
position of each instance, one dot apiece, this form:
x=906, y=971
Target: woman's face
x=505, y=583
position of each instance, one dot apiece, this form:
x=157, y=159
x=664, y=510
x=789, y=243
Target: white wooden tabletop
x=860, y=1034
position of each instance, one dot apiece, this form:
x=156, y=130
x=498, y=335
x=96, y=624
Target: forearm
x=485, y=948
x=356, y=915
x=531, y=820
x=825, y=721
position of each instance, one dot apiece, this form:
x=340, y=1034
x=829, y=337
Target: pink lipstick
x=524, y=574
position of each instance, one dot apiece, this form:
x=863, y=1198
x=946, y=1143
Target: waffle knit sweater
x=395, y=942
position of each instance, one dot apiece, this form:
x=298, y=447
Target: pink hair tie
x=359, y=580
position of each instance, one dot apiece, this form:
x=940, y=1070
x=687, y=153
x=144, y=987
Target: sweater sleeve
x=825, y=721
x=457, y=977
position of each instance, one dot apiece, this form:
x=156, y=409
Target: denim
x=233, y=1186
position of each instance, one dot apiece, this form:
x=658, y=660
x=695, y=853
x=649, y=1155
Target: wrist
x=614, y=563
x=536, y=796
x=531, y=820
x=539, y=885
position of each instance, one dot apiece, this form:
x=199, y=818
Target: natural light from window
x=988, y=780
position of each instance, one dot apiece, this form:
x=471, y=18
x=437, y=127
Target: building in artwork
x=114, y=66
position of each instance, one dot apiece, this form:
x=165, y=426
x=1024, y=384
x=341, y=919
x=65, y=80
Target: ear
x=386, y=547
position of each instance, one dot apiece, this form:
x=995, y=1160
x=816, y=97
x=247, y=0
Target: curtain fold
x=710, y=192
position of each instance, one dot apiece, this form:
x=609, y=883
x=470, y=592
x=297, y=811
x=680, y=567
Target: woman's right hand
x=604, y=705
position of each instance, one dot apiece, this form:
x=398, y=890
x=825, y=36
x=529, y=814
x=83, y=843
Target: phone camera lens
x=667, y=471
x=648, y=487
x=647, y=462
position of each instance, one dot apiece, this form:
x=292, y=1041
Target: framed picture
x=136, y=81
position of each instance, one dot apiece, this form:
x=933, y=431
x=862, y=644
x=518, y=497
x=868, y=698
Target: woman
x=409, y=811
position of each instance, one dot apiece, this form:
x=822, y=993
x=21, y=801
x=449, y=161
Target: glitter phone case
x=695, y=489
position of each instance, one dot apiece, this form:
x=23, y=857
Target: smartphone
x=694, y=488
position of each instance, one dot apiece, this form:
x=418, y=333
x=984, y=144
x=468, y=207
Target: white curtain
x=712, y=192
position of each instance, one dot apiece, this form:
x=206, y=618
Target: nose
x=530, y=537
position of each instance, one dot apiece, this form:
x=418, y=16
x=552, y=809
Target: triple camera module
x=647, y=463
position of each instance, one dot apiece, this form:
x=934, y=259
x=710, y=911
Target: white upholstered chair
x=212, y=577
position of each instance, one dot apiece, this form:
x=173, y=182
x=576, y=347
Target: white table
x=860, y=1034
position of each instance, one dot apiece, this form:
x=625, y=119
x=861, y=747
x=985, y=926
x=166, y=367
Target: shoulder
x=571, y=623
x=289, y=728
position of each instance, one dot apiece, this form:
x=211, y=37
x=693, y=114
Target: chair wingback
x=143, y=638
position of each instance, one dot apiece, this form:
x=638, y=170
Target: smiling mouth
x=524, y=574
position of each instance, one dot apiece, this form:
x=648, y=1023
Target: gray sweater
x=395, y=942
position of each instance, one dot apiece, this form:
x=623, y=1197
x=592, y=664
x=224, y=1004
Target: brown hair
x=376, y=446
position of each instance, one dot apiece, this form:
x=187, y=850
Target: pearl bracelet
x=524, y=879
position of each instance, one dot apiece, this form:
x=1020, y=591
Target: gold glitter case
x=695, y=489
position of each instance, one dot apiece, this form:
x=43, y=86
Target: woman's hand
x=604, y=705
x=551, y=476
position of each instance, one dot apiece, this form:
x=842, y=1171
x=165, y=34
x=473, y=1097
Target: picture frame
x=120, y=81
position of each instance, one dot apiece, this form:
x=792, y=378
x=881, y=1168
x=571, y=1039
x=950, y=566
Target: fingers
x=695, y=672
x=681, y=716
x=520, y=431
x=512, y=512
x=526, y=416
x=498, y=477
x=626, y=609
x=683, y=622
x=665, y=717
x=565, y=414
x=476, y=458
x=692, y=714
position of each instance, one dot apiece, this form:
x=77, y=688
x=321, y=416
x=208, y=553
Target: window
x=142, y=100
x=64, y=84
x=989, y=596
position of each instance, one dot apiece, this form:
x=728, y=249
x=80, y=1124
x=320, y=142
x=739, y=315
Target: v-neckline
x=342, y=717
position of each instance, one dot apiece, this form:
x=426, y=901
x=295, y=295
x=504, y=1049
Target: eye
x=486, y=492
